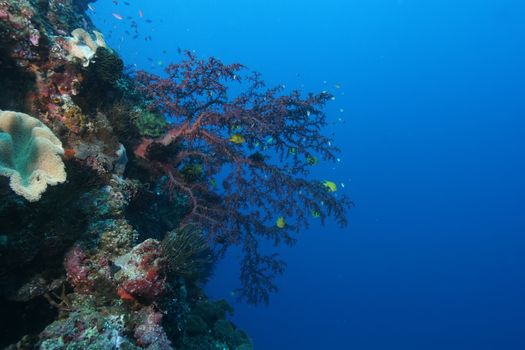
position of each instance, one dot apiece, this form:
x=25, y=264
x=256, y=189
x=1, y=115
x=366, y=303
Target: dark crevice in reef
x=15, y=84
x=34, y=237
x=24, y=318
x=153, y=214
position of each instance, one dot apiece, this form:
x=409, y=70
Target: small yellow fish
x=213, y=182
x=331, y=186
x=237, y=139
x=316, y=214
x=280, y=222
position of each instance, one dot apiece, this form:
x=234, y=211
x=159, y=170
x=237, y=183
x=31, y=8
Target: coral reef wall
x=83, y=264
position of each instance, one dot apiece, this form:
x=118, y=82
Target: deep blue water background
x=433, y=136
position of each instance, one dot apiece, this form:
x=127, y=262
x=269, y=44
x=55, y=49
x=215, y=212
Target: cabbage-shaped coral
x=29, y=155
x=151, y=124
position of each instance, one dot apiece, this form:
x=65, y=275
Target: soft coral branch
x=264, y=169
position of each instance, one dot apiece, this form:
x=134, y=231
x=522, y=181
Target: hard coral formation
x=80, y=45
x=142, y=272
x=29, y=155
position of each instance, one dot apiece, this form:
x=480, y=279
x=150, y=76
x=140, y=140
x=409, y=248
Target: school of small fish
x=236, y=138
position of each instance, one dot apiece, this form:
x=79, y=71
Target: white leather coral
x=30, y=155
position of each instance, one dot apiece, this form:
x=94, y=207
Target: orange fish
x=69, y=152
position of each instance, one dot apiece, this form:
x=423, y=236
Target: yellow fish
x=237, y=139
x=316, y=214
x=280, y=222
x=331, y=186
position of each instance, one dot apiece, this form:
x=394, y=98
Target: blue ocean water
x=429, y=114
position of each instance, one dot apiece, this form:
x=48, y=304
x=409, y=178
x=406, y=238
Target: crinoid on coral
x=29, y=155
x=188, y=253
x=107, y=66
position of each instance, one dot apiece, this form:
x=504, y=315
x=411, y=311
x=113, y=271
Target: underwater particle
x=338, y=160
x=337, y=86
x=341, y=110
x=280, y=223
x=237, y=139
x=141, y=14
x=342, y=184
x=117, y=16
x=330, y=186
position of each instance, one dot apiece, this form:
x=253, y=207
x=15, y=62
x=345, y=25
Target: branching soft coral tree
x=241, y=161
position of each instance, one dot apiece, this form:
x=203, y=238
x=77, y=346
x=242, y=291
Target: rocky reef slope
x=90, y=254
